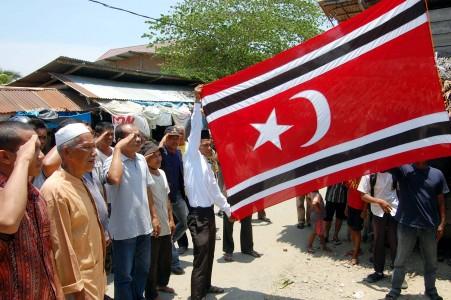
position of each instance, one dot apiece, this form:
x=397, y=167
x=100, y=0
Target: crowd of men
x=63, y=216
x=406, y=204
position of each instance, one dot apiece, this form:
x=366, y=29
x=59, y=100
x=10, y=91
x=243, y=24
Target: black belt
x=199, y=210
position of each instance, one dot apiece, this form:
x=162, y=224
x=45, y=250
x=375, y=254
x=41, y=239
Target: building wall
x=441, y=30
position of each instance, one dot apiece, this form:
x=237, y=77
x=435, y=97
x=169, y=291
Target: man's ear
x=64, y=152
x=7, y=158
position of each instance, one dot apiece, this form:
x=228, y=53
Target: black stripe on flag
x=403, y=18
x=412, y=135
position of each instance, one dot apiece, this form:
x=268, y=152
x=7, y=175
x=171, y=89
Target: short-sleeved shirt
x=418, y=191
x=130, y=215
x=383, y=189
x=160, y=191
x=354, y=198
x=337, y=193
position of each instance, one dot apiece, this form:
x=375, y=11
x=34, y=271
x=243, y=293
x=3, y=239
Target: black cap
x=171, y=130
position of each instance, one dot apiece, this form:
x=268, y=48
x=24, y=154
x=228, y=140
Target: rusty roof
x=341, y=10
x=25, y=99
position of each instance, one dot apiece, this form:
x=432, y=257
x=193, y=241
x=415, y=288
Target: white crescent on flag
x=322, y=110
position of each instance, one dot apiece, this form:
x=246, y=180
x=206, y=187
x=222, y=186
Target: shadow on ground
x=236, y=293
x=297, y=238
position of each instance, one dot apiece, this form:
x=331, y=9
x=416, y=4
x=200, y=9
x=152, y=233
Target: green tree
x=209, y=39
x=8, y=76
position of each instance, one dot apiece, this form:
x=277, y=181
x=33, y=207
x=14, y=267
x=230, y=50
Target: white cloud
x=26, y=57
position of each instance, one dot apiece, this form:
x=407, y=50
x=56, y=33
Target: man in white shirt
x=379, y=189
x=202, y=191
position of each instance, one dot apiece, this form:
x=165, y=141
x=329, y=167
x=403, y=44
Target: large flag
x=362, y=97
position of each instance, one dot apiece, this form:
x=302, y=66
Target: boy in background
x=161, y=245
x=317, y=216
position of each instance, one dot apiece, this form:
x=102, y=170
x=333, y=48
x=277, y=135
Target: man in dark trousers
x=421, y=214
x=172, y=165
x=203, y=191
x=246, y=238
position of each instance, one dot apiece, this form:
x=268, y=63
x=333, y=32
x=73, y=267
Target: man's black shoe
x=375, y=277
x=300, y=225
x=215, y=290
x=177, y=271
x=390, y=297
x=253, y=253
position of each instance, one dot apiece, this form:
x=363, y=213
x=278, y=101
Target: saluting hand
x=125, y=141
x=28, y=150
x=101, y=137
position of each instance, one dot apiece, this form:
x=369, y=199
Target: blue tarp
x=53, y=123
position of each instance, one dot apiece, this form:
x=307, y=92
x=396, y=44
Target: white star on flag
x=270, y=131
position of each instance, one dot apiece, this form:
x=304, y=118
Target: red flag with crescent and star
x=360, y=98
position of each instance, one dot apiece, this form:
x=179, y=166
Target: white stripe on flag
x=314, y=54
x=435, y=140
x=346, y=146
x=321, y=70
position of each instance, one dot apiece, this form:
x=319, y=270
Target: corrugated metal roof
x=24, y=99
x=66, y=65
x=124, y=50
x=341, y=10
x=101, y=89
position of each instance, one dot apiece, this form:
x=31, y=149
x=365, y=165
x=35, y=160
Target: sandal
x=354, y=261
x=310, y=250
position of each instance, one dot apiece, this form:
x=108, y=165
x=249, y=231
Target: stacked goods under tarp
x=444, y=66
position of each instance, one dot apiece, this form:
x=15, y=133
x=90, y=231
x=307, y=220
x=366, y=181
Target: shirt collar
x=423, y=170
x=124, y=157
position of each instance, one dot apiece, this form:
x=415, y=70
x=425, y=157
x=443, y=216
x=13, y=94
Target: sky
x=33, y=32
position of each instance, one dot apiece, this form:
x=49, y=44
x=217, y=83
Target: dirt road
x=287, y=271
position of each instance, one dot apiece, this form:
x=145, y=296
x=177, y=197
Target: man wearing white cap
x=77, y=236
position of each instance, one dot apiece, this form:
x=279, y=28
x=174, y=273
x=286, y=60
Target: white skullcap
x=70, y=132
